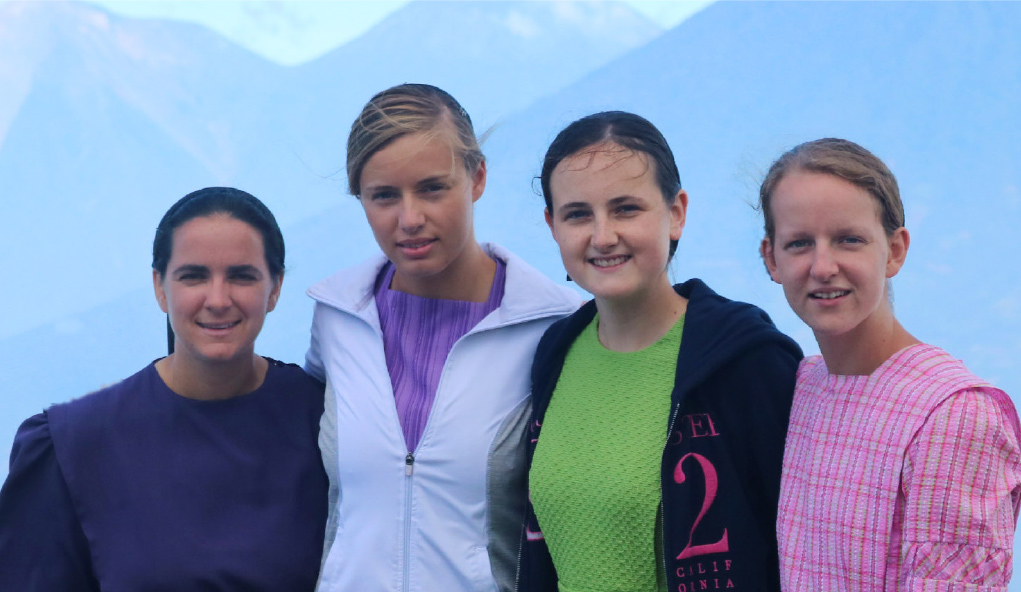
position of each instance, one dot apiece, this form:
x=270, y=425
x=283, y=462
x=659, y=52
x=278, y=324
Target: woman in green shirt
x=663, y=409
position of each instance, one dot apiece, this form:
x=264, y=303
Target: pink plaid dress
x=904, y=480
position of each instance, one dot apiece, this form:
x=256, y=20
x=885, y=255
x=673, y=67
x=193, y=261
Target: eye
x=576, y=215
x=384, y=194
x=627, y=209
x=797, y=244
x=433, y=188
x=244, y=275
x=853, y=240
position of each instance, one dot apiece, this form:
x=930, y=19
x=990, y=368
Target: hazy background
x=107, y=118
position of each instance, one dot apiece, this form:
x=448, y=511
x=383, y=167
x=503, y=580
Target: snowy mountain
x=931, y=87
x=105, y=121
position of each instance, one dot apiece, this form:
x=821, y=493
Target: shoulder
x=718, y=330
x=922, y=376
x=293, y=377
x=528, y=290
x=32, y=439
x=100, y=406
x=350, y=286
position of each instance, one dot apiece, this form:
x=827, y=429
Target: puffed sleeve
x=42, y=545
x=961, y=484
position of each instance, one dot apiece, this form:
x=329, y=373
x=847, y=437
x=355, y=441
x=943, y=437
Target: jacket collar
x=528, y=294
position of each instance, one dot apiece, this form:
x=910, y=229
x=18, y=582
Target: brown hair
x=844, y=159
x=403, y=110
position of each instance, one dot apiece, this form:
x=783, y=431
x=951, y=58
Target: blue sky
x=295, y=31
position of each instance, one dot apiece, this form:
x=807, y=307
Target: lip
x=608, y=262
x=418, y=247
x=829, y=296
x=219, y=327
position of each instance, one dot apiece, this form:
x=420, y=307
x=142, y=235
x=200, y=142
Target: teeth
x=609, y=262
x=830, y=295
x=219, y=325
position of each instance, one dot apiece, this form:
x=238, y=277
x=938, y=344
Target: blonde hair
x=843, y=159
x=403, y=110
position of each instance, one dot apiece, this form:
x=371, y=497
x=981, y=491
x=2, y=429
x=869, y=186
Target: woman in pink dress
x=902, y=470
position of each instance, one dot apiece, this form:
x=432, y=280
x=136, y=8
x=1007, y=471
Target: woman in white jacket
x=426, y=353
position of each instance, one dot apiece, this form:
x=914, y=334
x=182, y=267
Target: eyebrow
x=194, y=268
x=191, y=268
x=616, y=201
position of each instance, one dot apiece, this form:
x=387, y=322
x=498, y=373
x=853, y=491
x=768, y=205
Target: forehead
x=422, y=153
x=808, y=198
x=217, y=238
x=605, y=168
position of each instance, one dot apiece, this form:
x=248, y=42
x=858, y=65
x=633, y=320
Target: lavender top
x=418, y=334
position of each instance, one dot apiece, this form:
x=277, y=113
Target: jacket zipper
x=409, y=469
x=662, y=501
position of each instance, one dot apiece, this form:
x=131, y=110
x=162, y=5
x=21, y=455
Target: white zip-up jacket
x=446, y=517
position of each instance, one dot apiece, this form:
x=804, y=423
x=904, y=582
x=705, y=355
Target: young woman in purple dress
x=201, y=471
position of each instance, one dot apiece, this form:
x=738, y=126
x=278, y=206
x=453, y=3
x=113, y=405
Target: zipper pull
x=409, y=464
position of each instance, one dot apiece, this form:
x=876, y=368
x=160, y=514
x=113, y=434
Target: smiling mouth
x=415, y=244
x=609, y=261
x=829, y=295
x=219, y=326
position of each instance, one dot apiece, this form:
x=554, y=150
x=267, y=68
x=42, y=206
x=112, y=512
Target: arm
x=313, y=357
x=772, y=370
x=961, y=484
x=328, y=448
x=42, y=545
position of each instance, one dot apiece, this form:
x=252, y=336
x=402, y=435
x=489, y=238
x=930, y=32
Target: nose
x=218, y=298
x=411, y=217
x=604, y=234
x=824, y=264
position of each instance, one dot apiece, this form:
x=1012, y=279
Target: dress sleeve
x=961, y=484
x=42, y=545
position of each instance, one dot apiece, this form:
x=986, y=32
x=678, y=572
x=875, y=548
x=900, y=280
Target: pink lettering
x=701, y=425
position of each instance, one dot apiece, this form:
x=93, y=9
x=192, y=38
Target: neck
x=637, y=323
x=207, y=382
x=862, y=350
x=469, y=278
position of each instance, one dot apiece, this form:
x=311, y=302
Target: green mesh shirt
x=595, y=477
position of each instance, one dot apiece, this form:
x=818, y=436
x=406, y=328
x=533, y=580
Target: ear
x=274, y=294
x=479, y=181
x=157, y=287
x=899, y=243
x=678, y=214
x=549, y=222
x=769, y=259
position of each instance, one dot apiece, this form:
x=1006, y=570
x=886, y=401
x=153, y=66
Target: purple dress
x=137, y=489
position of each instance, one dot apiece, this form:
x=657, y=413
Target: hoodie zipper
x=662, y=504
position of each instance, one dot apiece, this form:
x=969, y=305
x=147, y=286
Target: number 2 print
x=711, y=486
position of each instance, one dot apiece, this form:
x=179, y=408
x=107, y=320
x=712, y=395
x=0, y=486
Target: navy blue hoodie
x=723, y=448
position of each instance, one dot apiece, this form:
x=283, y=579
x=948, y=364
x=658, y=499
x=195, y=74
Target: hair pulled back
x=403, y=110
x=843, y=159
x=220, y=200
x=627, y=130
